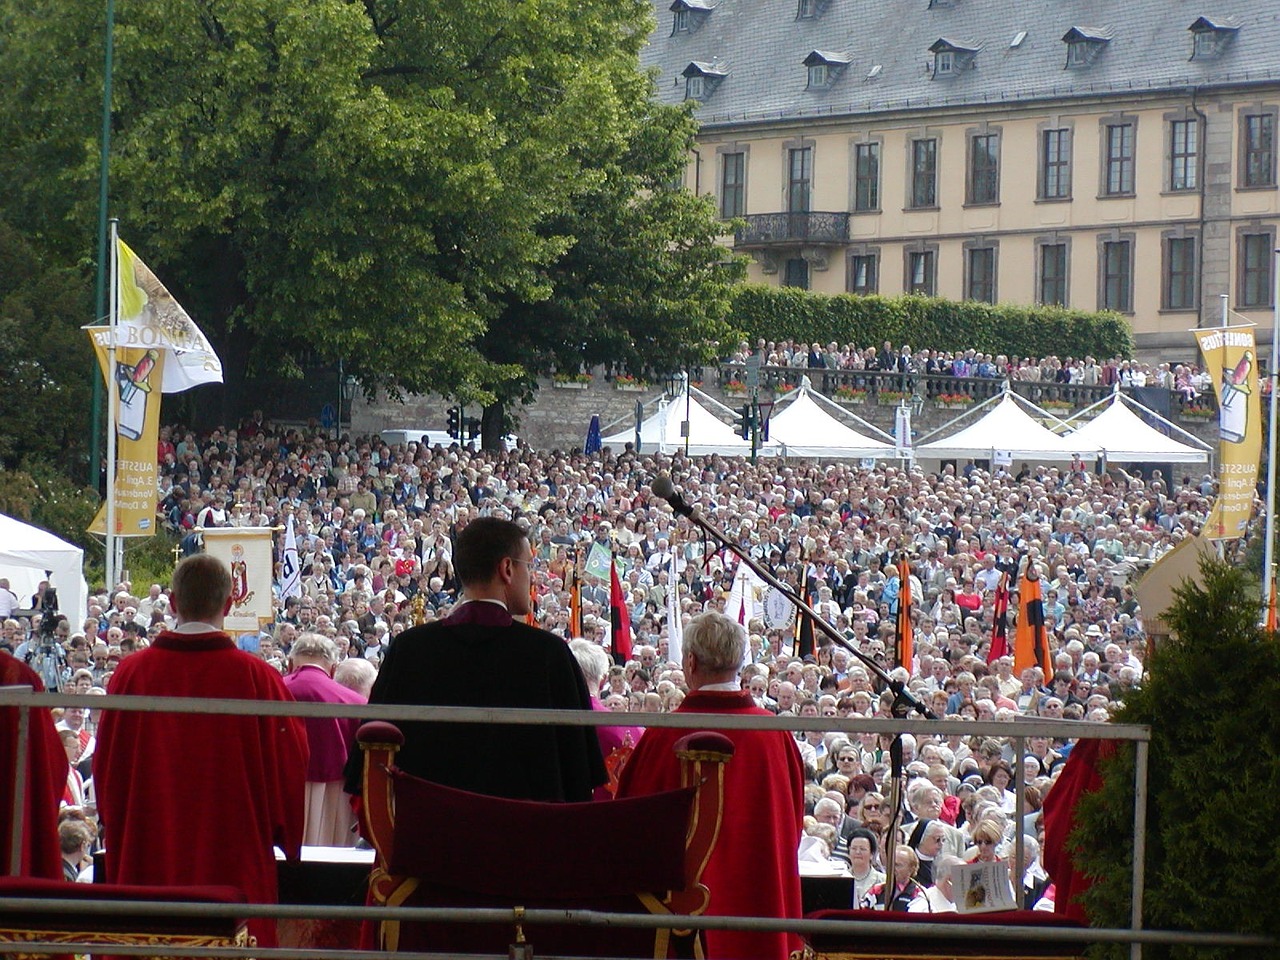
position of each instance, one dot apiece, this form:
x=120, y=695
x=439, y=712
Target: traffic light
x=744, y=422
x=473, y=427
x=455, y=422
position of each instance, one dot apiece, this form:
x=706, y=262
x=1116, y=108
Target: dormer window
x=1085, y=45
x=808, y=9
x=951, y=57
x=701, y=79
x=688, y=15
x=1211, y=36
x=825, y=68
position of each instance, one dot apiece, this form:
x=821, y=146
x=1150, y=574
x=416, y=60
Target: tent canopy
x=660, y=432
x=26, y=552
x=1009, y=429
x=805, y=429
x=1124, y=436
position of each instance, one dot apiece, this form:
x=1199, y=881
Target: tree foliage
x=381, y=182
x=1017, y=331
x=1214, y=781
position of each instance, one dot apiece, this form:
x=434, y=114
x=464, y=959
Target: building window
x=1180, y=273
x=944, y=63
x=1183, y=154
x=920, y=272
x=1117, y=276
x=799, y=179
x=981, y=274
x=1053, y=275
x=682, y=18
x=1118, y=174
x=1055, y=164
x=695, y=88
x=1259, y=150
x=866, y=187
x=1256, y=258
x=864, y=274
x=1078, y=53
x=818, y=76
x=808, y=10
x=924, y=173
x=733, y=186
x=984, y=168
x=797, y=274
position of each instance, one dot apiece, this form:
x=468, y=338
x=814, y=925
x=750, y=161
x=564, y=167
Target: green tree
x=1214, y=778
x=377, y=182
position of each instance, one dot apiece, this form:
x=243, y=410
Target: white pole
x=1226, y=309
x=1268, y=546
x=113, y=404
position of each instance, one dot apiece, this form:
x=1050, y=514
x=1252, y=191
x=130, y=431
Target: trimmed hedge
x=778, y=313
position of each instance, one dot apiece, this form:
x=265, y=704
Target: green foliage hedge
x=777, y=313
x=1212, y=859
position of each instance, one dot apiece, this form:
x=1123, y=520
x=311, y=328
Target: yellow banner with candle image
x=139, y=373
x=1231, y=361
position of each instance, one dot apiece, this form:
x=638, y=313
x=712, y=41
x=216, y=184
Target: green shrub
x=1214, y=783
x=778, y=313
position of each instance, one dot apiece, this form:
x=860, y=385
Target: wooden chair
x=439, y=846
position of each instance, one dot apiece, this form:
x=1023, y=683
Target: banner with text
x=1230, y=358
x=247, y=552
x=139, y=373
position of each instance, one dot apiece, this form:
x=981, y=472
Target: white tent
x=1010, y=430
x=805, y=429
x=1125, y=437
x=26, y=552
x=660, y=432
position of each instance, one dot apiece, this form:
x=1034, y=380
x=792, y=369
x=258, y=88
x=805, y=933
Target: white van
x=436, y=437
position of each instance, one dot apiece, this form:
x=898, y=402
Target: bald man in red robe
x=47, y=767
x=753, y=871
x=197, y=798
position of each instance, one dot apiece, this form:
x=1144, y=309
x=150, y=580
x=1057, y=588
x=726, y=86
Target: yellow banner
x=247, y=552
x=1231, y=360
x=139, y=373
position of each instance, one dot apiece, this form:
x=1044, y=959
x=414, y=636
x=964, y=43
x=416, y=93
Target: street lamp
x=347, y=386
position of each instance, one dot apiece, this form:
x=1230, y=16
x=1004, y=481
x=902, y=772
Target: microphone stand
x=904, y=701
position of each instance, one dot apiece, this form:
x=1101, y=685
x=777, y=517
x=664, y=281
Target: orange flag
x=905, y=638
x=575, y=604
x=1271, y=608
x=1031, y=639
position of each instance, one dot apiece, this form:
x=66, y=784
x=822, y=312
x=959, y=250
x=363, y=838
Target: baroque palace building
x=1097, y=154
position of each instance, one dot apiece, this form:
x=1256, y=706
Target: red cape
x=200, y=799
x=46, y=779
x=1079, y=776
x=753, y=871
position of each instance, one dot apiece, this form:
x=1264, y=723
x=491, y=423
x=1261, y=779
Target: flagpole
x=113, y=401
x=1268, y=545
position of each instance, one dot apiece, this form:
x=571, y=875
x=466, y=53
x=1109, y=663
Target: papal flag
x=290, y=568
x=1231, y=361
x=675, y=627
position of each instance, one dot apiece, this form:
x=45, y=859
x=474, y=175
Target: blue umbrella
x=593, y=436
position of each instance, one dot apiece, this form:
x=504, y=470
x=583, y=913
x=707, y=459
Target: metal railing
x=1018, y=731
x=767, y=229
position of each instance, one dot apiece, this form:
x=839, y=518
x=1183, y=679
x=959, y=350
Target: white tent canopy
x=1124, y=436
x=26, y=552
x=805, y=429
x=1008, y=429
x=660, y=432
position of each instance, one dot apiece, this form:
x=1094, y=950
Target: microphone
x=662, y=487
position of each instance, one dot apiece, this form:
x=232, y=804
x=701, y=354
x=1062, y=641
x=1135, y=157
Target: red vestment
x=197, y=798
x=753, y=871
x=46, y=778
x=1079, y=776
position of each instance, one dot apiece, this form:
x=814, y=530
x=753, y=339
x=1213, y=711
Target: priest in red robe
x=753, y=871
x=47, y=765
x=196, y=798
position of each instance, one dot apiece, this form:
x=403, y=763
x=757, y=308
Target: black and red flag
x=619, y=618
x=1031, y=640
x=1000, y=628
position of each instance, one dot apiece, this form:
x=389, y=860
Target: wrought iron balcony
x=814, y=228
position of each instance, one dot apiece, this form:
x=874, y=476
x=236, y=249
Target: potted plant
x=1057, y=406
x=851, y=395
x=571, y=381
x=891, y=398
x=629, y=384
x=953, y=401
x=1199, y=413
x=735, y=388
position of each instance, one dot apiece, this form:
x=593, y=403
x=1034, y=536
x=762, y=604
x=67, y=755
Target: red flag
x=905, y=638
x=575, y=604
x=619, y=618
x=531, y=618
x=1271, y=608
x=1000, y=629
x=1030, y=639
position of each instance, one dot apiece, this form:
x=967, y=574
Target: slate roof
x=765, y=46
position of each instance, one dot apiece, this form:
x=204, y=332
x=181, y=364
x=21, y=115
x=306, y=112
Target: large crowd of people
x=376, y=527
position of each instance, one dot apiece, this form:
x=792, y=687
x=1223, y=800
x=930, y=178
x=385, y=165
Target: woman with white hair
x=939, y=898
x=616, y=743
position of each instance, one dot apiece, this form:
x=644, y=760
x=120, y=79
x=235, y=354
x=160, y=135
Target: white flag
x=675, y=629
x=151, y=318
x=290, y=569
